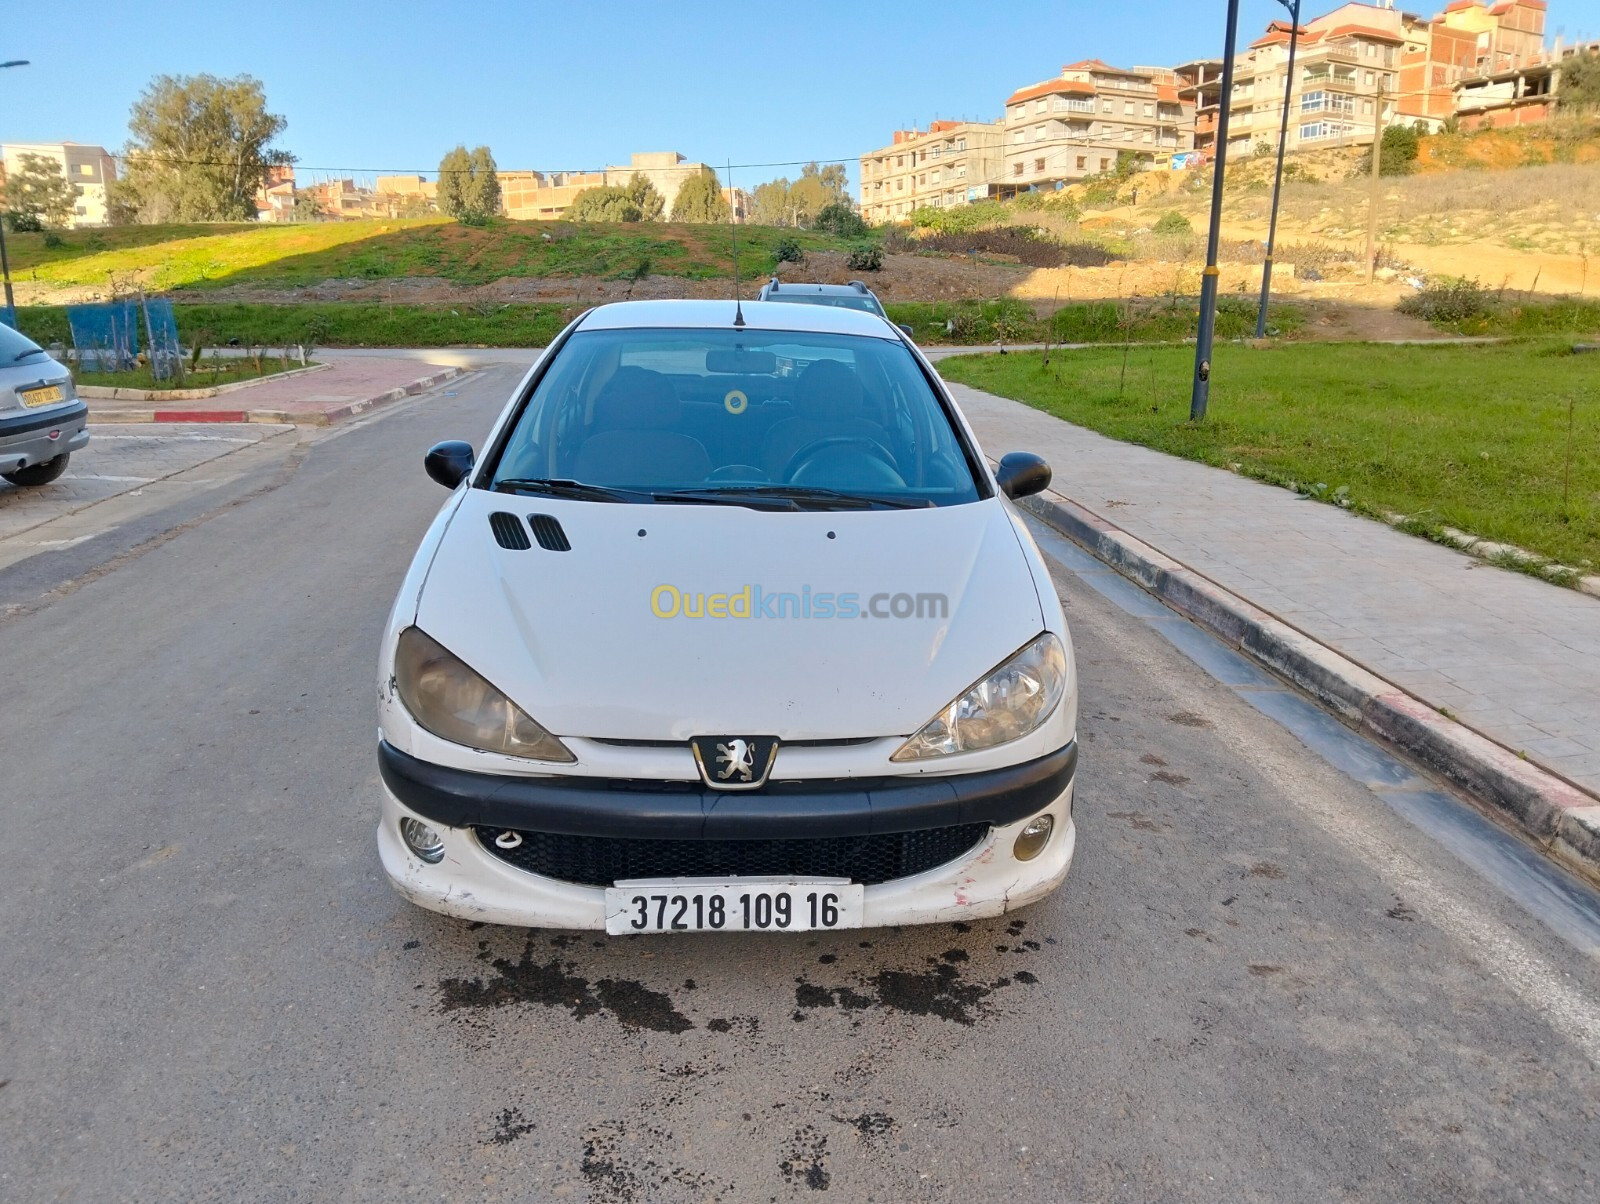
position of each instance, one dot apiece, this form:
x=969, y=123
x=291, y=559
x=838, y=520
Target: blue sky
x=393, y=84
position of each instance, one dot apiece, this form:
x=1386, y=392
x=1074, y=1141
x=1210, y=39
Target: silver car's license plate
x=738, y=905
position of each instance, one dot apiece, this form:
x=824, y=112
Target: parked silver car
x=42, y=422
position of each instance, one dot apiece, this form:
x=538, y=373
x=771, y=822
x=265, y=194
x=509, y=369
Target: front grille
x=602, y=860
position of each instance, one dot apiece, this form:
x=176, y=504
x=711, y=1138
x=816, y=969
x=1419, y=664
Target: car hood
x=578, y=639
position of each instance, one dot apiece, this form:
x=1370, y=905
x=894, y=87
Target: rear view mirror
x=1022, y=473
x=449, y=462
x=906, y=330
x=740, y=362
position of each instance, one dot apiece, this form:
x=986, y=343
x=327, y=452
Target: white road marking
x=92, y=476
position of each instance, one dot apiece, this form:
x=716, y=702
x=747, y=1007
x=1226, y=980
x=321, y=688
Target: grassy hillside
x=208, y=256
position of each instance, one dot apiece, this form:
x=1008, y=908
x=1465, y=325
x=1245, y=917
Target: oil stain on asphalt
x=554, y=984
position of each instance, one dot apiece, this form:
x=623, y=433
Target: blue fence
x=107, y=336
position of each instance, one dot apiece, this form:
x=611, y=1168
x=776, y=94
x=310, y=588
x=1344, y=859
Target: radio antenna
x=738, y=299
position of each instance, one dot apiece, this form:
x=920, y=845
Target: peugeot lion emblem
x=734, y=762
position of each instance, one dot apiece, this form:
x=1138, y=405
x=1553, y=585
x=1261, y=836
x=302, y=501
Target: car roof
x=826, y=290
x=758, y=315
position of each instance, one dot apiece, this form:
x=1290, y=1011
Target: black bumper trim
x=575, y=806
x=28, y=420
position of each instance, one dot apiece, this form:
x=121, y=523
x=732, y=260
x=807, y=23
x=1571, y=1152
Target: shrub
x=864, y=257
x=1397, y=155
x=23, y=223
x=53, y=241
x=1448, y=301
x=839, y=219
x=788, y=250
x=1173, y=222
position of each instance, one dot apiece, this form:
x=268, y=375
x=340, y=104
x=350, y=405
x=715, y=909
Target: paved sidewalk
x=349, y=387
x=1516, y=659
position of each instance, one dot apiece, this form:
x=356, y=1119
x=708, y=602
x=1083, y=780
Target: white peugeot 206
x=730, y=627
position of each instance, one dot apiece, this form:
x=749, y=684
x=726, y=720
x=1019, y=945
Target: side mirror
x=449, y=462
x=906, y=330
x=1022, y=473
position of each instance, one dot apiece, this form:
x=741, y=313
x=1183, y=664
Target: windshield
x=840, y=300
x=727, y=413
x=14, y=345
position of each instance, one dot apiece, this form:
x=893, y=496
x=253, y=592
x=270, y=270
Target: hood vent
x=549, y=533
x=509, y=532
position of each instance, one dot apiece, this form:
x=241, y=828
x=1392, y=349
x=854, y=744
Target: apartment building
x=89, y=169
x=1064, y=129
x=1344, y=60
x=1471, y=40
x=275, y=196
x=949, y=163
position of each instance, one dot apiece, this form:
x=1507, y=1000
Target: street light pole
x=1277, y=180
x=1208, y=282
x=5, y=264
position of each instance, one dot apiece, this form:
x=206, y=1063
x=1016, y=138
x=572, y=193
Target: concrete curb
x=105, y=393
x=1559, y=816
x=282, y=417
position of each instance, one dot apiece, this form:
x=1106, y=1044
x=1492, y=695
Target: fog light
x=1032, y=839
x=422, y=840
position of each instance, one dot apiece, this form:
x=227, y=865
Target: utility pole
x=1277, y=180
x=1377, y=186
x=1201, y=393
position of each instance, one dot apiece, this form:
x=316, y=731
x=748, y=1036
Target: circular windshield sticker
x=736, y=402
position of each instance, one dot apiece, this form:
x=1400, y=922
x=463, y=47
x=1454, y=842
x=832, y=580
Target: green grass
x=1472, y=437
x=196, y=257
x=1567, y=316
x=1165, y=320
x=338, y=324
x=207, y=374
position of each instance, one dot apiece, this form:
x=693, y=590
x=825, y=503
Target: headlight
x=1006, y=705
x=455, y=704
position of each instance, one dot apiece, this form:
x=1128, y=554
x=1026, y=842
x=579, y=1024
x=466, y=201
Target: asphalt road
x=1259, y=984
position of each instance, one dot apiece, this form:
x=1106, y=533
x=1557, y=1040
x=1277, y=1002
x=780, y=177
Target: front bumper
x=30, y=437
x=473, y=883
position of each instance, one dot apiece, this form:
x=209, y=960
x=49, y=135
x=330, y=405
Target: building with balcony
x=1062, y=130
x=1344, y=60
x=949, y=163
x=89, y=169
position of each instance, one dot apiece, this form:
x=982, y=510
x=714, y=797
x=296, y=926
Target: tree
x=454, y=169
x=483, y=185
x=306, y=208
x=816, y=189
x=700, y=199
x=1580, y=82
x=645, y=198
x=841, y=219
x=469, y=185
x=769, y=203
x=608, y=203
x=1398, y=151
x=39, y=195
x=200, y=147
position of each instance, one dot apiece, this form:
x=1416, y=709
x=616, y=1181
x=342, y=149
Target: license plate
x=742, y=905
x=41, y=397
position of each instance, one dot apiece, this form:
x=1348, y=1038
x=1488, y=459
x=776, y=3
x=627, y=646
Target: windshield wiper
x=801, y=496
x=576, y=490
x=26, y=352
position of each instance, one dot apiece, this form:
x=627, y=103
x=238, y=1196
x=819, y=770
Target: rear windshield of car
x=748, y=410
x=14, y=346
x=838, y=300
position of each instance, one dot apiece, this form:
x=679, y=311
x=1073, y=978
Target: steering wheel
x=801, y=460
